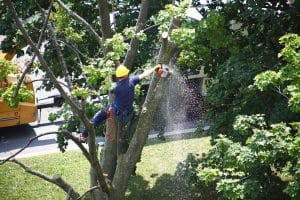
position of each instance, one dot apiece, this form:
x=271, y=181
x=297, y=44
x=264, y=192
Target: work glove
x=158, y=69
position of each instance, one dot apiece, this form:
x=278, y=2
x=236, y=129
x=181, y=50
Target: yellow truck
x=26, y=112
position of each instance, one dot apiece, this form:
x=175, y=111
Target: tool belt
x=110, y=129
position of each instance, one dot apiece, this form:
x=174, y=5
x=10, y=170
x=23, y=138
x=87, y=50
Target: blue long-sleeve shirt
x=124, y=97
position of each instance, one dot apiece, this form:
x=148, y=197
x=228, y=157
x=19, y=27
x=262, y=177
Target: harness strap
x=121, y=113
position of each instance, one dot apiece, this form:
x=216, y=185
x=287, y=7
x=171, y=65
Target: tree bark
x=107, y=33
x=104, y=20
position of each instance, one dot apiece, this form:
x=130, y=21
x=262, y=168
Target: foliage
x=7, y=93
x=229, y=94
x=184, y=37
x=23, y=95
x=250, y=171
x=118, y=46
x=6, y=67
x=288, y=74
x=82, y=93
x=243, y=125
x=258, y=161
x=130, y=33
x=62, y=21
x=233, y=48
x=164, y=16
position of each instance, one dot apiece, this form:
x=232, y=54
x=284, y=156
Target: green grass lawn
x=155, y=177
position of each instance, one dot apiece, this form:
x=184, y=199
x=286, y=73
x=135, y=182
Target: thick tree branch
x=81, y=21
x=106, y=32
x=56, y=179
x=107, y=188
x=104, y=20
x=21, y=79
x=82, y=148
x=134, y=43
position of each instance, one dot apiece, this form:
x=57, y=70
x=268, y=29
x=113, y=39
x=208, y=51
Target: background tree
x=253, y=157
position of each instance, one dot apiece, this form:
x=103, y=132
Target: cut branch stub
x=164, y=35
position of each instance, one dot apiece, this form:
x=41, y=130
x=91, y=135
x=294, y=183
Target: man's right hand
x=157, y=67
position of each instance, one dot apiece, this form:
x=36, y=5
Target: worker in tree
x=122, y=107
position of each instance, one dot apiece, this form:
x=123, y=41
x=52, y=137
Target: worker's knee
x=99, y=117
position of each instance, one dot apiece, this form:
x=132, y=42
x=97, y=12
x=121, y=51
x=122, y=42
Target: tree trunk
x=106, y=33
x=126, y=162
x=109, y=151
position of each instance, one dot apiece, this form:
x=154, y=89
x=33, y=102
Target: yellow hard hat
x=121, y=71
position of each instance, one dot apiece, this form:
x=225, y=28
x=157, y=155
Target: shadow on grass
x=167, y=187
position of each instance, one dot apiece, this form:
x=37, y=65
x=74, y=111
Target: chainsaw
x=163, y=71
